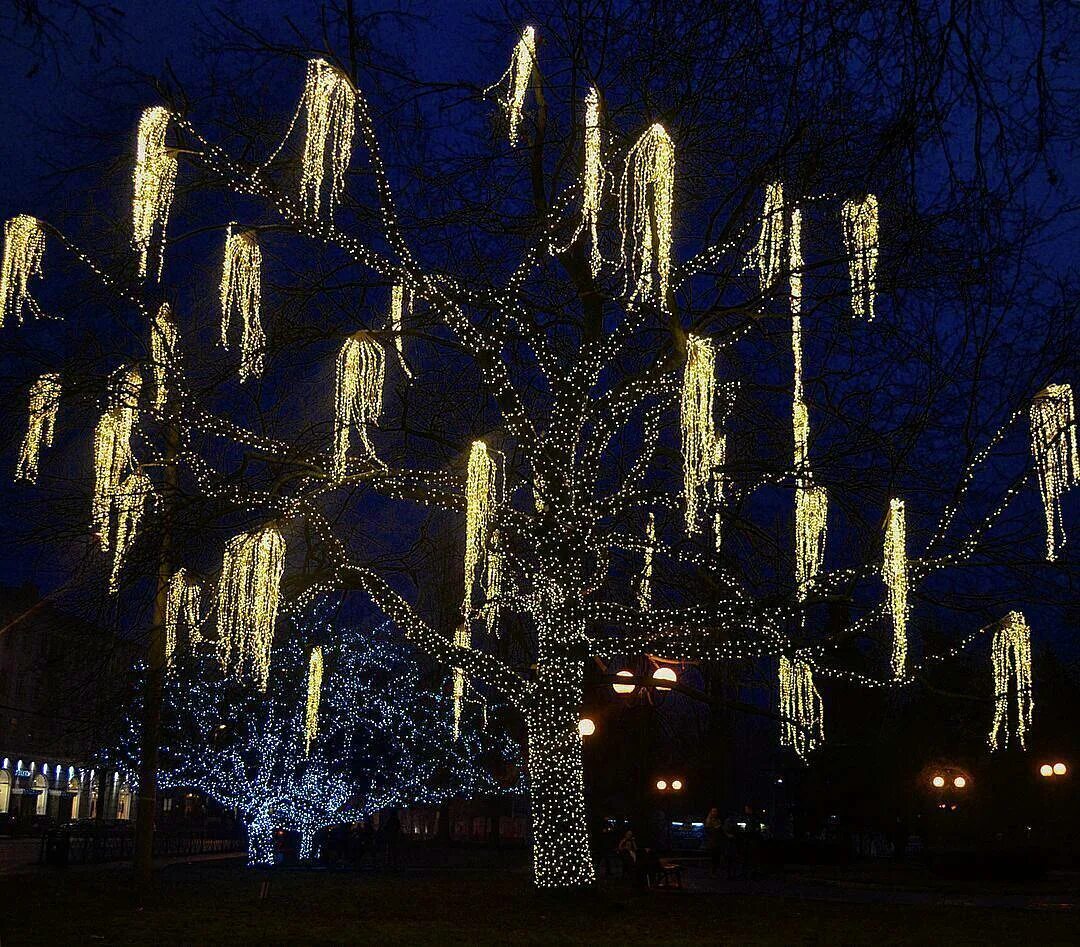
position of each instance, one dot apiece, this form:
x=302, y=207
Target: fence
x=82, y=846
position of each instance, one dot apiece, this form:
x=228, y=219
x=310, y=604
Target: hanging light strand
x=769, y=253
x=41, y=424
x=646, y=203
x=130, y=501
x=24, y=249
x=400, y=307
x=895, y=573
x=802, y=725
x=247, y=602
x=330, y=103
x=699, y=440
x=1011, y=659
x=522, y=63
x=153, y=187
x=860, y=225
x=164, y=343
x=358, y=398
x=112, y=447
x=183, y=599
x=481, y=499
x=462, y=639
x=592, y=180
x=1057, y=461
x=811, y=522
x=314, y=695
x=241, y=293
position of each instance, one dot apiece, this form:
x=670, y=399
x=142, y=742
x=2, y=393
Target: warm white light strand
x=860, y=224
x=24, y=249
x=314, y=695
x=154, y=185
x=522, y=63
x=895, y=572
x=1057, y=461
x=699, y=440
x=644, y=589
x=330, y=103
x=769, y=252
x=41, y=424
x=183, y=599
x=462, y=639
x=1011, y=659
x=811, y=522
x=164, y=342
x=399, y=308
x=481, y=500
x=112, y=448
x=358, y=398
x=646, y=203
x=241, y=293
x=802, y=725
x=130, y=500
x=593, y=177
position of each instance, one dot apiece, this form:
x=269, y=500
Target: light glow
x=624, y=688
x=664, y=674
x=586, y=727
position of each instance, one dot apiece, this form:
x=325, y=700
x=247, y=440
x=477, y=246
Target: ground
x=220, y=901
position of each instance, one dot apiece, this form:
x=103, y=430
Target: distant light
x=959, y=782
x=1060, y=769
x=624, y=688
x=664, y=674
x=938, y=781
x=1046, y=769
x=676, y=784
x=779, y=781
x=661, y=784
x=586, y=727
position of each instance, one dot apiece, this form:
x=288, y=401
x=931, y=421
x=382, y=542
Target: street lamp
x=664, y=674
x=1046, y=769
x=938, y=781
x=676, y=784
x=959, y=782
x=661, y=784
x=586, y=727
x=624, y=688
x=1060, y=769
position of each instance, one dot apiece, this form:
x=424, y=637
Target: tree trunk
x=560, y=838
x=307, y=843
x=260, y=843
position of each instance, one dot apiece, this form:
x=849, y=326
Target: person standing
x=714, y=834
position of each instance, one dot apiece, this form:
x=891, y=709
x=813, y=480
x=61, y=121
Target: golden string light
x=592, y=180
x=802, y=727
x=241, y=293
x=112, y=448
x=769, y=252
x=24, y=249
x=1057, y=461
x=183, y=599
x=646, y=203
x=644, y=589
x=719, y=459
x=481, y=499
x=314, y=695
x=895, y=572
x=462, y=639
x=399, y=308
x=522, y=62
x=41, y=424
x=164, y=340
x=330, y=103
x=1011, y=659
x=154, y=185
x=699, y=439
x=358, y=395
x=860, y=225
x=247, y=602
x=130, y=500
x=811, y=522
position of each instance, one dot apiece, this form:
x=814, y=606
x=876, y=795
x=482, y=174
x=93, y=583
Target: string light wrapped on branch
x=399, y=307
x=164, y=342
x=112, y=447
x=314, y=695
x=1057, y=461
x=646, y=204
x=247, y=602
x=153, y=187
x=860, y=225
x=1011, y=659
x=130, y=500
x=41, y=424
x=895, y=572
x=802, y=727
x=517, y=77
x=24, y=249
x=183, y=600
x=358, y=395
x=241, y=293
x=644, y=585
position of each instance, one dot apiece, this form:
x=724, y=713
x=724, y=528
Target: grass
x=219, y=902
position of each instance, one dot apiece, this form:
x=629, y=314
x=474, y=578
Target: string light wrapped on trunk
x=24, y=249
x=183, y=600
x=41, y=424
x=462, y=639
x=358, y=395
x=644, y=588
x=241, y=293
x=130, y=500
x=1057, y=461
x=399, y=308
x=164, y=343
x=330, y=105
x=802, y=727
x=895, y=572
x=646, y=204
x=1011, y=659
x=112, y=447
x=247, y=602
x=314, y=695
x=593, y=177
x=860, y=225
x=153, y=187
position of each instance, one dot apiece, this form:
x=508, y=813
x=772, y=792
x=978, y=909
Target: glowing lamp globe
x=676, y=784
x=959, y=782
x=661, y=784
x=1060, y=769
x=938, y=781
x=664, y=674
x=586, y=727
x=624, y=688
x=1046, y=769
